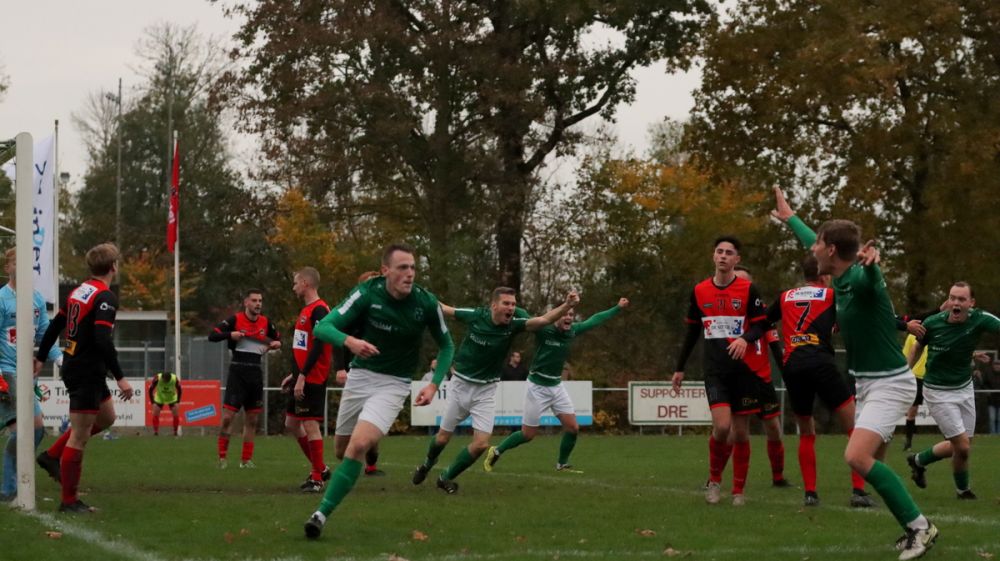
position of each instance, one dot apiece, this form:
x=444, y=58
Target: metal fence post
x=264, y=383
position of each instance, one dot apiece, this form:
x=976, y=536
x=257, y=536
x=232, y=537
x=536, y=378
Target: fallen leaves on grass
x=520, y=539
x=394, y=557
x=53, y=535
x=984, y=554
x=228, y=536
x=645, y=532
x=420, y=536
x=244, y=532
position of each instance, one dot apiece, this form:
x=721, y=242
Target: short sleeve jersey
x=89, y=305
x=303, y=341
x=480, y=357
x=724, y=313
x=395, y=327
x=950, y=347
x=808, y=315
x=257, y=335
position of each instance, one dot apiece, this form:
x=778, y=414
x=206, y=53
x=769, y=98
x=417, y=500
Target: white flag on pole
x=43, y=218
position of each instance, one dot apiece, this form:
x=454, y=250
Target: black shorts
x=310, y=408
x=734, y=388
x=244, y=388
x=767, y=397
x=919, y=400
x=87, y=391
x=808, y=380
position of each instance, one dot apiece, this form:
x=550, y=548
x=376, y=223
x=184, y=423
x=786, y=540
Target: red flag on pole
x=174, y=200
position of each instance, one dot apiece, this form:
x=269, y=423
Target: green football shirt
x=480, y=356
x=865, y=316
x=395, y=327
x=950, y=347
x=552, y=346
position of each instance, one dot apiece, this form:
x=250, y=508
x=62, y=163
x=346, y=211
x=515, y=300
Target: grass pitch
x=639, y=498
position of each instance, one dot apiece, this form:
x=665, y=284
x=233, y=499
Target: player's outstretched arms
x=550, y=317
x=448, y=311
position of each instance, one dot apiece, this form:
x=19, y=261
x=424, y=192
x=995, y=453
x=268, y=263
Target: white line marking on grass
x=655, y=552
x=118, y=546
x=571, y=479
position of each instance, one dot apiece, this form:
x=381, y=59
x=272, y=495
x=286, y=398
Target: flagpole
x=55, y=222
x=177, y=283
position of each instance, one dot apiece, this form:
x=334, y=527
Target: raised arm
x=783, y=212
x=600, y=317
x=550, y=317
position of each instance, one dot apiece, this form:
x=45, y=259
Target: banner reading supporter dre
x=200, y=405
x=656, y=403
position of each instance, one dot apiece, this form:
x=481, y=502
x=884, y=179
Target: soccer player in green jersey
x=472, y=389
x=885, y=385
x=545, y=390
x=951, y=337
x=395, y=313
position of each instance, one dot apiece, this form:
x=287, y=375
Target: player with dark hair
x=88, y=318
x=807, y=316
x=165, y=391
x=307, y=382
x=722, y=309
x=250, y=336
x=759, y=358
x=396, y=312
x=478, y=364
x=885, y=385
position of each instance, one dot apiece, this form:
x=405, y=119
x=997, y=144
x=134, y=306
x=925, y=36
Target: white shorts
x=465, y=399
x=538, y=399
x=371, y=397
x=954, y=411
x=883, y=401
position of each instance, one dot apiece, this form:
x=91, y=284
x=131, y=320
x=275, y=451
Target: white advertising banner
x=510, y=405
x=55, y=403
x=656, y=403
x=43, y=216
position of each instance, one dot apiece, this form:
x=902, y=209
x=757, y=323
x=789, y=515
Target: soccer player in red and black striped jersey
x=807, y=315
x=88, y=318
x=758, y=357
x=307, y=382
x=722, y=309
x=249, y=335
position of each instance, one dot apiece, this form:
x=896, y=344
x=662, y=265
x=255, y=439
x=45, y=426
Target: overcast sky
x=55, y=53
